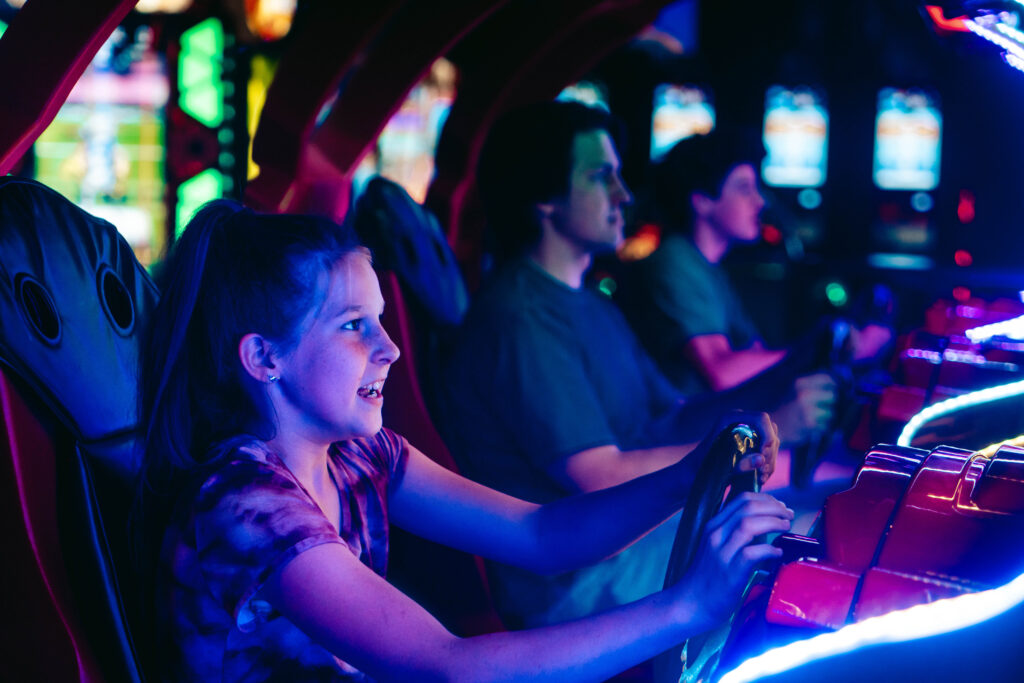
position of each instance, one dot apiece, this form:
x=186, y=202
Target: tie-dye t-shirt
x=246, y=520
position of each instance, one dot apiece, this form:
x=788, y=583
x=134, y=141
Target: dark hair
x=232, y=272
x=700, y=164
x=527, y=159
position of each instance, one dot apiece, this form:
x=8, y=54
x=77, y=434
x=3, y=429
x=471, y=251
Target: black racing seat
x=72, y=298
x=426, y=299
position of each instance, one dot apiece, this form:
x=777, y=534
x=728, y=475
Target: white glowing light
x=1010, y=32
x=1022, y=291
x=1011, y=329
x=1008, y=44
x=920, y=621
x=1014, y=61
x=952, y=405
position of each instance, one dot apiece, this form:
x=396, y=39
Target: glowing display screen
x=795, y=138
x=680, y=111
x=587, y=92
x=908, y=138
x=405, y=149
x=105, y=148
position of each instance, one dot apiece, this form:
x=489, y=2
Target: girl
x=262, y=394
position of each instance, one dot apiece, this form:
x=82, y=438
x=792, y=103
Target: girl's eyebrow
x=351, y=308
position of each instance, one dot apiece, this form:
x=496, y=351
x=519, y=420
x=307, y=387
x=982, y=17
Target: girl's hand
x=725, y=560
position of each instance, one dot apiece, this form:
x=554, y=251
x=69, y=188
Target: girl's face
x=332, y=380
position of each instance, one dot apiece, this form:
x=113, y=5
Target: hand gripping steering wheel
x=699, y=654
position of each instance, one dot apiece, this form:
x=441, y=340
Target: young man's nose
x=621, y=192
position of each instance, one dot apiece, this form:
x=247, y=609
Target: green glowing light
x=195, y=192
x=607, y=286
x=199, y=72
x=836, y=294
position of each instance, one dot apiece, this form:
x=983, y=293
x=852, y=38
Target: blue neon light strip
x=1011, y=46
x=921, y=621
x=1013, y=60
x=1012, y=329
x=952, y=405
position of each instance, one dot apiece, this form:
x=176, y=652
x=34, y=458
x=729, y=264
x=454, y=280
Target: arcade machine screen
x=907, y=151
x=405, y=149
x=795, y=138
x=680, y=111
x=908, y=136
x=105, y=148
x=590, y=93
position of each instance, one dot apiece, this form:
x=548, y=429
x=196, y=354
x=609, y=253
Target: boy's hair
x=700, y=164
x=526, y=160
x=232, y=272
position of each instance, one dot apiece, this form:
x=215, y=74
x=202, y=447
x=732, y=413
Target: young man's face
x=736, y=213
x=590, y=214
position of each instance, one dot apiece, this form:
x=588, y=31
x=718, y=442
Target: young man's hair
x=527, y=160
x=700, y=165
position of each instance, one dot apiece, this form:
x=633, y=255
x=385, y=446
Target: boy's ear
x=545, y=210
x=701, y=203
x=255, y=354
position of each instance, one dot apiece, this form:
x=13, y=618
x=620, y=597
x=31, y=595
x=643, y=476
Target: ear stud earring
x=272, y=378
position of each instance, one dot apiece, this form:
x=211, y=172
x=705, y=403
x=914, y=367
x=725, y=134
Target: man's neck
x=562, y=260
x=709, y=242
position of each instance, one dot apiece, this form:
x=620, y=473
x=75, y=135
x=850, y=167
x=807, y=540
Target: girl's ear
x=255, y=353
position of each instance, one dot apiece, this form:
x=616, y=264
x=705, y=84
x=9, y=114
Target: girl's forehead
x=351, y=281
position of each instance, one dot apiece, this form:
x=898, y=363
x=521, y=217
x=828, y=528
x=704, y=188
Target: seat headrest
x=72, y=300
x=407, y=239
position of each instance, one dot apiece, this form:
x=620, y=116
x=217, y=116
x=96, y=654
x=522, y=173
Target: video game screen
x=795, y=138
x=105, y=148
x=680, y=111
x=908, y=140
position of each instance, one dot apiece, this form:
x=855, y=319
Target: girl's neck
x=306, y=459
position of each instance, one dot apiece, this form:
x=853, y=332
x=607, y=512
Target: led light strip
x=1011, y=46
x=1010, y=31
x=1012, y=328
x=920, y=621
x=957, y=403
x=1013, y=60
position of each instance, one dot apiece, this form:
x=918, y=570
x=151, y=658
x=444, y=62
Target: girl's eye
x=353, y=325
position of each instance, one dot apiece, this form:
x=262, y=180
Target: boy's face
x=736, y=213
x=590, y=214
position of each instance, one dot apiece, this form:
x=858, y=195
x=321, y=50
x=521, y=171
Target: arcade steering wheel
x=716, y=474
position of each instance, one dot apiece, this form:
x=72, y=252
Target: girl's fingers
x=747, y=530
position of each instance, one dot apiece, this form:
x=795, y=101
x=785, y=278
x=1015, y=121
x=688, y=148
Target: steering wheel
x=715, y=475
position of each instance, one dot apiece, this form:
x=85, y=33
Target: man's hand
x=810, y=411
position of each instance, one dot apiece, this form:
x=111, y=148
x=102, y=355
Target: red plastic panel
x=856, y=519
x=74, y=31
x=811, y=594
x=38, y=602
x=885, y=591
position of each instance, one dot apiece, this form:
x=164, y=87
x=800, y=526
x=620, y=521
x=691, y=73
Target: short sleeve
x=250, y=520
x=689, y=301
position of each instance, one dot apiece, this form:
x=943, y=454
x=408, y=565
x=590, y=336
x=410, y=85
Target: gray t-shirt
x=674, y=295
x=542, y=371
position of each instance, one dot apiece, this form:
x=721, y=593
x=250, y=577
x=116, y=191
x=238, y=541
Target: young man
x=548, y=392
x=682, y=304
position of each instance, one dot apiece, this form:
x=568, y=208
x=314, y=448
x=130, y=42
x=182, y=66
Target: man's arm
x=724, y=367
